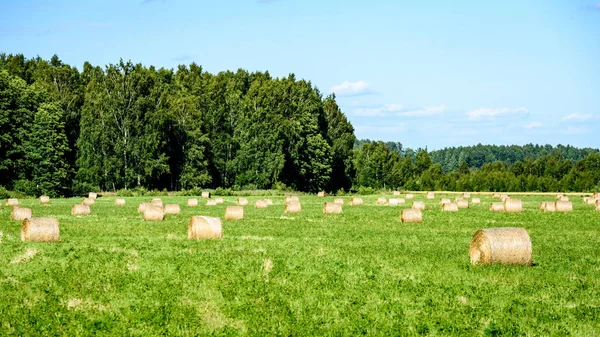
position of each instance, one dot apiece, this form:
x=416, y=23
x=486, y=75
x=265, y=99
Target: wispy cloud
x=533, y=125
x=579, y=117
x=351, y=88
x=384, y=110
x=493, y=112
x=427, y=111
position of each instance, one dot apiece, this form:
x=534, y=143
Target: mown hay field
x=308, y=273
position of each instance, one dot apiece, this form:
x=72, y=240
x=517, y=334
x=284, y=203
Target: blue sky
x=425, y=73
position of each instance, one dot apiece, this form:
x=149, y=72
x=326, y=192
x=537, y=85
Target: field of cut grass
x=360, y=272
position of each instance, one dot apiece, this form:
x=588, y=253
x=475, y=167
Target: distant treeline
x=124, y=126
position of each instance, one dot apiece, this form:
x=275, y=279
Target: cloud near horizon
x=580, y=117
x=351, y=88
x=491, y=112
x=426, y=111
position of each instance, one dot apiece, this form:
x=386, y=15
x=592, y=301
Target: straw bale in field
x=420, y=205
x=172, y=209
x=20, y=213
x=466, y=195
x=430, y=195
x=205, y=227
x=219, y=201
x=205, y=195
x=212, y=202
x=157, y=202
x=93, y=195
x=513, y=205
x=193, y=202
x=234, y=213
x=563, y=198
x=356, y=202
x=242, y=201
x=445, y=201
x=44, y=199
x=563, y=206
x=462, y=203
x=332, y=208
x=449, y=207
x=120, y=202
x=154, y=213
x=393, y=202
x=88, y=201
x=496, y=195
x=548, y=206
x=292, y=199
x=321, y=194
x=591, y=201
x=142, y=206
x=12, y=202
x=497, y=207
x=40, y=230
x=293, y=207
x=260, y=204
x=81, y=210
x=411, y=215
x=559, y=195
x=381, y=201
x=507, y=245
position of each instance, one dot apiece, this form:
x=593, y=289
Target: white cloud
x=381, y=111
x=579, y=117
x=427, y=111
x=533, y=125
x=490, y=112
x=351, y=88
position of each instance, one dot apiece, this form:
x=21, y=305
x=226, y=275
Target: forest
x=65, y=131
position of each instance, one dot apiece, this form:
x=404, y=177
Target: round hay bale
x=211, y=202
x=40, y=230
x=291, y=199
x=501, y=245
x=93, y=195
x=339, y=201
x=293, y=207
x=88, y=201
x=549, y=206
x=154, y=213
x=513, y=205
x=392, y=202
x=445, y=201
x=205, y=195
x=321, y=194
x=458, y=199
x=20, y=213
x=591, y=201
x=558, y=196
x=192, y=202
x=242, y=201
x=12, y=202
x=381, y=201
x=205, y=227
x=172, y=209
x=355, y=202
x=396, y=193
x=563, y=206
x=409, y=196
x=44, y=200
x=142, y=206
x=332, y=208
x=430, y=195
x=497, y=207
x=496, y=195
x=219, y=201
x=81, y=210
x=120, y=202
x=449, y=207
x=462, y=203
x=563, y=198
x=466, y=195
x=157, y=202
x=585, y=199
x=269, y=202
x=234, y=213
x=411, y=215
x=260, y=204
x=420, y=205
x=476, y=201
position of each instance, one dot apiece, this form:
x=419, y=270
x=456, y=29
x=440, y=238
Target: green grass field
x=361, y=272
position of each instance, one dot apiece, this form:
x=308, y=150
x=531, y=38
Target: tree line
x=65, y=131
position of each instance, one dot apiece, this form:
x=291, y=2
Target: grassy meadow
x=360, y=272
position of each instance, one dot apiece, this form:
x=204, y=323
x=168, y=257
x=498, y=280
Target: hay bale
x=396, y=193
x=458, y=199
x=205, y=227
x=269, y=202
x=591, y=201
x=496, y=195
x=430, y=195
x=420, y=205
x=293, y=207
x=393, y=202
x=192, y=202
x=339, y=201
x=548, y=206
x=445, y=201
x=242, y=201
x=332, y=208
x=93, y=195
x=120, y=202
x=44, y=200
x=381, y=201
x=260, y=204
x=497, y=207
x=20, y=213
x=88, y=201
x=476, y=201
x=172, y=209
x=563, y=198
x=409, y=196
x=81, y=210
x=142, y=207
x=219, y=201
x=356, y=202
x=411, y=215
x=12, y=202
x=321, y=194
x=234, y=213
x=40, y=230
x=585, y=199
x=157, y=202
x=154, y=213
x=466, y=195
x=513, y=205
x=507, y=245
x=558, y=196
x=504, y=197
x=449, y=207
x=563, y=206
x=211, y=202
x=205, y=195
x=462, y=203
x=291, y=199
